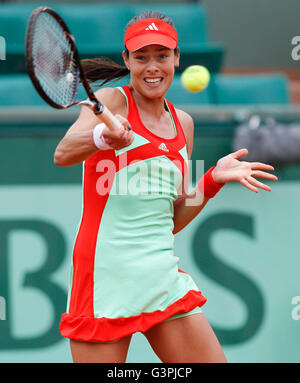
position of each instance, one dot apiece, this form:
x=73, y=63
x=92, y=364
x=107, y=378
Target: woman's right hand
x=118, y=139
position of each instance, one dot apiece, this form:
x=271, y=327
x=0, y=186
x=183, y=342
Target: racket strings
x=53, y=61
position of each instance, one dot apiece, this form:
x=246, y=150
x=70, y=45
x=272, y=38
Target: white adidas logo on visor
x=151, y=27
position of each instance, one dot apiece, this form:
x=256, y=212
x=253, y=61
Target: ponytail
x=103, y=68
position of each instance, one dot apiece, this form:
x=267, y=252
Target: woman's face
x=152, y=69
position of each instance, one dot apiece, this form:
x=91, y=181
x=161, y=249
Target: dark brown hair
x=105, y=69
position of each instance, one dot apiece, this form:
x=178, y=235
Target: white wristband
x=99, y=140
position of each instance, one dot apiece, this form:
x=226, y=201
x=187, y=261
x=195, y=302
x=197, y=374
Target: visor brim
x=138, y=42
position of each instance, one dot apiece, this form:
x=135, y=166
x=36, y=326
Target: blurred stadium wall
x=258, y=36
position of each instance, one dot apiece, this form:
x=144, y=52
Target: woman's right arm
x=78, y=144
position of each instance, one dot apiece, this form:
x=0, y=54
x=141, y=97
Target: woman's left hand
x=229, y=169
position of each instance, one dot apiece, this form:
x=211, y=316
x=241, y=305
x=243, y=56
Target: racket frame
x=92, y=102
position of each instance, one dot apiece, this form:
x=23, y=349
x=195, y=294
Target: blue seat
x=251, y=89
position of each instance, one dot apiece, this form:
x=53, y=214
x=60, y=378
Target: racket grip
x=110, y=120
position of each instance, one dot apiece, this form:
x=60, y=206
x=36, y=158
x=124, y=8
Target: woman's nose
x=152, y=66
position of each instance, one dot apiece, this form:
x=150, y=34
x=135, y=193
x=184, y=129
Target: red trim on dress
x=84, y=249
x=109, y=329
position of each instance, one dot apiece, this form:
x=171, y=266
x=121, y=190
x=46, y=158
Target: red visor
x=150, y=31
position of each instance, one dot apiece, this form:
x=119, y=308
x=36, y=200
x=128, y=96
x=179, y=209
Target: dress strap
x=124, y=94
x=180, y=132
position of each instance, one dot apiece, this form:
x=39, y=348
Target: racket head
x=52, y=59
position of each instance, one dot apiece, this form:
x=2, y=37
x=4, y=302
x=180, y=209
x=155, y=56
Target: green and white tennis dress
x=125, y=275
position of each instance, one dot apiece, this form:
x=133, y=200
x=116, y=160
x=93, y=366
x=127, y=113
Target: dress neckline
x=148, y=131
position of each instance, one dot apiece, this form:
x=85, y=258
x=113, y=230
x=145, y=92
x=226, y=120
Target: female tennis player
x=125, y=276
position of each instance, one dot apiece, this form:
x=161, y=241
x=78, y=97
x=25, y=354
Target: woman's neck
x=155, y=107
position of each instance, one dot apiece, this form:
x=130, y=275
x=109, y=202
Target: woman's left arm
x=228, y=169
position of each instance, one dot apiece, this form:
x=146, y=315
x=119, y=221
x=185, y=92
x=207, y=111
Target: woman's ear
x=125, y=59
x=177, y=57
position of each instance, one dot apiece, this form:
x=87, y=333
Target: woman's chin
x=153, y=92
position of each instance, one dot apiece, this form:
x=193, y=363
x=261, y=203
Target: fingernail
x=128, y=127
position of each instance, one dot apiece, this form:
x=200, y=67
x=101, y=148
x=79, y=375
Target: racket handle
x=110, y=120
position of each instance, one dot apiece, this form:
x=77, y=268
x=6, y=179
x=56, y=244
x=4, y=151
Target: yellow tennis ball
x=195, y=78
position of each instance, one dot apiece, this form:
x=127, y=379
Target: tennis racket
x=53, y=65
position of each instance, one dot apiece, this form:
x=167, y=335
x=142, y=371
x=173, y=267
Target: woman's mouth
x=153, y=81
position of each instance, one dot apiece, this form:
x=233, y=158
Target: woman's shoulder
x=187, y=124
x=184, y=118
x=113, y=99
